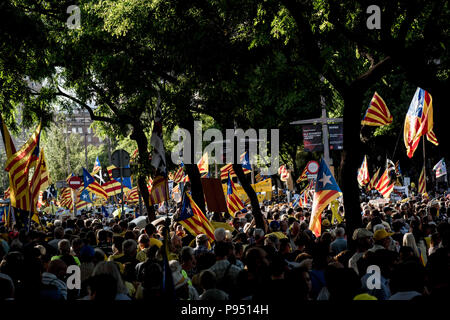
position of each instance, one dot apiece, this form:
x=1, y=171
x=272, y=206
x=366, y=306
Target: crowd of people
x=401, y=252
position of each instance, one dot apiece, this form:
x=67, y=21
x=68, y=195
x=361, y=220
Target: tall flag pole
x=326, y=191
x=378, y=113
x=422, y=182
x=419, y=121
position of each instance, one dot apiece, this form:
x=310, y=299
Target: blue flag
x=246, y=162
x=84, y=196
x=126, y=180
x=87, y=178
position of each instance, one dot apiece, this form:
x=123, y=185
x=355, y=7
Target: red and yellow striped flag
x=18, y=165
x=133, y=195
x=283, y=172
x=303, y=176
x=372, y=183
x=419, y=121
x=193, y=219
x=234, y=204
x=422, y=182
x=384, y=185
x=159, y=190
x=378, y=113
x=39, y=180
x=178, y=175
x=363, y=173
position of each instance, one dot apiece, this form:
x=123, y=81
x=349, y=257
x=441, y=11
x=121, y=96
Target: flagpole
x=424, y=163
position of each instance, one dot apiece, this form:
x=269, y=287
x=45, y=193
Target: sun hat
x=381, y=234
x=361, y=233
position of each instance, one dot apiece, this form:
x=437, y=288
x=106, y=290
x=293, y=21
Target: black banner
x=312, y=138
x=336, y=134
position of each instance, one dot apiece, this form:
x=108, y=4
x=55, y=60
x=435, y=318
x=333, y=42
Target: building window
x=74, y=130
x=80, y=130
x=89, y=138
x=89, y=130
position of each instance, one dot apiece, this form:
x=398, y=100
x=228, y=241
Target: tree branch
x=86, y=107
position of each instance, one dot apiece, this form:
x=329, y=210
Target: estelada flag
x=363, y=173
x=303, y=176
x=326, y=191
x=378, y=113
x=419, y=121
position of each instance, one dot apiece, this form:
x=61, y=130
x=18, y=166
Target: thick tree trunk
x=191, y=169
x=144, y=169
x=350, y=158
x=196, y=186
x=256, y=210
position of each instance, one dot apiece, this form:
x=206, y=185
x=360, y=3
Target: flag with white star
x=326, y=191
x=193, y=219
x=84, y=196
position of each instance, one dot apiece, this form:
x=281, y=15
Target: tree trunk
x=350, y=158
x=256, y=210
x=144, y=169
x=192, y=169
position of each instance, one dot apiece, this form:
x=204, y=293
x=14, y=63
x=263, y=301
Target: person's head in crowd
x=77, y=244
x=236, y=223
x=285, y=246
x=259, y=235
x=102, y=287
x=343, y=284
x=117, y=244
x=58, y=268
x=343, y=257
x=201, y=240
x=64, y=247
x=408, y=276
x=187, y=258
x=150, y=229
x=129, y=248
x=228, y=236
x=363, y=238
x=112, y=269
x=59, y=232
x=219, y=235
x=143, y=241
x=222, y=250
x=274, y=226
x=382, y=238
x=256, y=261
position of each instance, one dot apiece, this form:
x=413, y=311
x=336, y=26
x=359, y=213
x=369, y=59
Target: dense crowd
x=400, y=253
